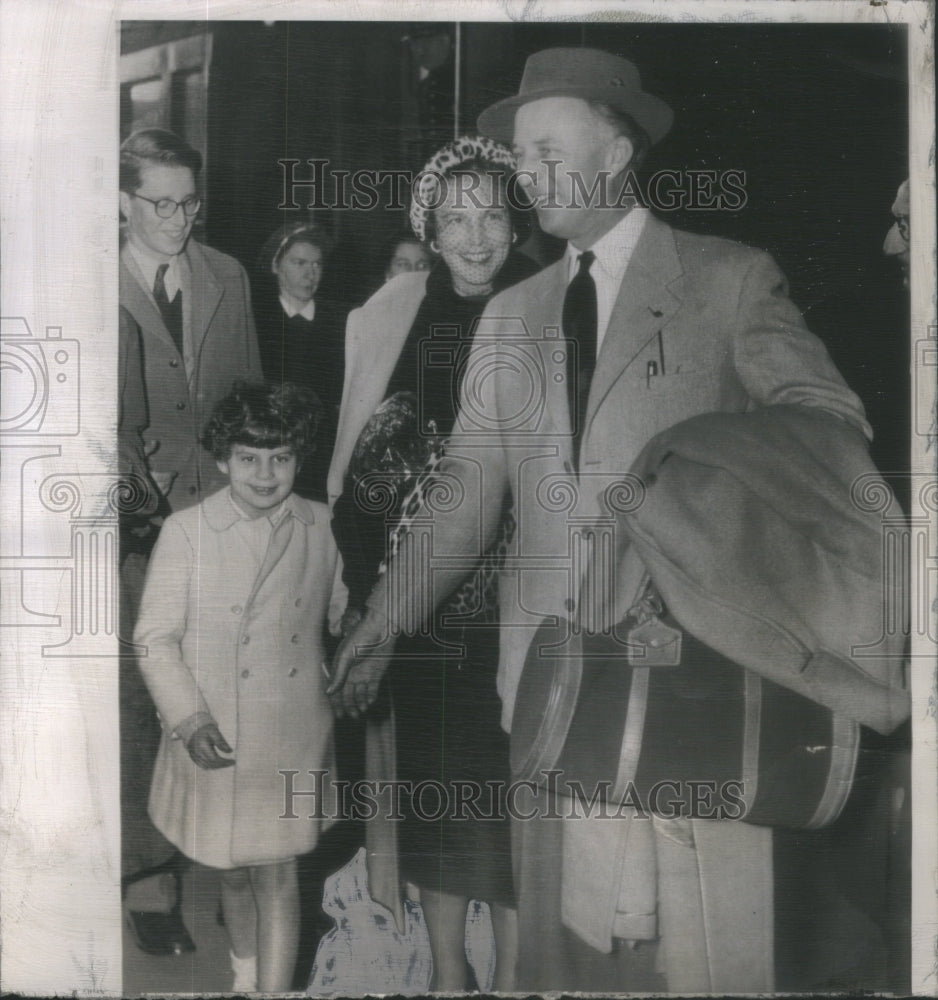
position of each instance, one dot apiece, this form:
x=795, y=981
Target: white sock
x=245, y=973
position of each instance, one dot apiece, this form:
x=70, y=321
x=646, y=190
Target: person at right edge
x=639, y=330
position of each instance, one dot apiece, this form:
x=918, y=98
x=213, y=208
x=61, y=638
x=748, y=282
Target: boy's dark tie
x=171, y=311
x=579, y=327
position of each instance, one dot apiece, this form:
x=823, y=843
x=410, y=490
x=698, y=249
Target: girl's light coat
x=244, y=645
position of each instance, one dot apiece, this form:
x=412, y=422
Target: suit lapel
x=205, y=294
x=648, y=299
x=135, y=296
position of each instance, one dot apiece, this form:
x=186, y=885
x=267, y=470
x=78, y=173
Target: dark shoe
x=160, y=933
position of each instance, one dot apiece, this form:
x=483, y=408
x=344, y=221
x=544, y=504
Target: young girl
x=237, y=592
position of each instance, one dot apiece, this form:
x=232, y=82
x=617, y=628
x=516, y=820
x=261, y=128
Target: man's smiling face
x=159, y=238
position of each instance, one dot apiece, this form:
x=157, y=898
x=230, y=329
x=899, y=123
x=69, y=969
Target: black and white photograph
x=469, y=499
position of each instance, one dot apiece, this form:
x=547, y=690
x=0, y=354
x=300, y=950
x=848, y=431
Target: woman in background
x=404, y=253
x=301, y=337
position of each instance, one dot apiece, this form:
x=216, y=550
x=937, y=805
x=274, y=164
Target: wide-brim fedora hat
x=590, y=74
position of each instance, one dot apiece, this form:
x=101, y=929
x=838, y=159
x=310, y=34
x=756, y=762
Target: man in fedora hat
x=636, y=328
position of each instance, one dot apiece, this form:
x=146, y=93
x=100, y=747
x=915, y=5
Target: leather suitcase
x=706, y=738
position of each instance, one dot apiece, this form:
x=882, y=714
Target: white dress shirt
x=150, y=265
x=307, y=312
x=613, y=252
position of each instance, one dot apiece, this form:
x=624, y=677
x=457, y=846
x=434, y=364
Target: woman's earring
x=434, y=247
x=514, y=237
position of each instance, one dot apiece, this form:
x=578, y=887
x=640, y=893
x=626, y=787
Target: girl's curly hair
x=264, y=415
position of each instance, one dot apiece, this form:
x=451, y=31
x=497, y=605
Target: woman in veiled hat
x=399, y=403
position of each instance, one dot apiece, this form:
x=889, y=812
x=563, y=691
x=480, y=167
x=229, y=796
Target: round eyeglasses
x=165, y=208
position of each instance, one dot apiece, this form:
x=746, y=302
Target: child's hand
x=202, y=748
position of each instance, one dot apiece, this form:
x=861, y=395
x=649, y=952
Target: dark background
x=816, y=115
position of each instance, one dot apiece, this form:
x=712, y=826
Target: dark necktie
x=170, y=311
x=579, y=327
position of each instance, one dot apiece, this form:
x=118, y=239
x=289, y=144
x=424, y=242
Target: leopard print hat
x=451, y=157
